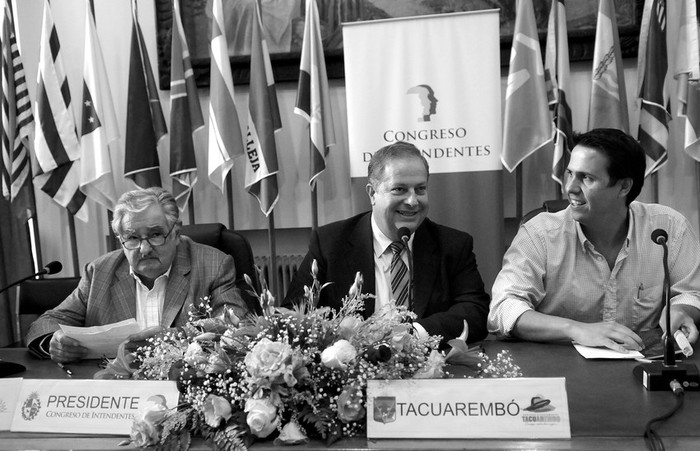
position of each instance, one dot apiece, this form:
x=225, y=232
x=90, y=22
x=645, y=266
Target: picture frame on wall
x=283, y=21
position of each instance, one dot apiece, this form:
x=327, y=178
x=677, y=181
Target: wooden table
x=608, y=407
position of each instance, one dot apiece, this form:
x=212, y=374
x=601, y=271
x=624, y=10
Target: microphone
x=404, y=236
x=657, y=375
x=659, y=236
x=10, y=368
x=51, y=268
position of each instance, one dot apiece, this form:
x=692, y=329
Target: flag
x=688, y=75
x=225, y=137
x=687, y=50
x=692, y=121
x=608, y=96
x=145, y=123
x=527, y=125
x=556, y=72
x=652, y=67
x=99, y=123
x=263, y=121
x=185, y=114
x=56, y=143
x=17, y=125
x=313, y=101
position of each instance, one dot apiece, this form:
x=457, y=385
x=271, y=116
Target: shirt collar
x=587, y=245
x=381, y=242
x=166, y=274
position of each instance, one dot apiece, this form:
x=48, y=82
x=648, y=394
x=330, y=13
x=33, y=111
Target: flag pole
x=229, y=200
x=73, y=244
x=274, y=288
x=314, y=208
x=697, y=181
x=654, y=180
x=190, y=207
x=519, y=192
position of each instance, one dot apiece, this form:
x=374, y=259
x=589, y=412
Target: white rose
x=338, y=355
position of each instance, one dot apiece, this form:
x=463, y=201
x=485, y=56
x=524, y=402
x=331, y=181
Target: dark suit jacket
x=107, y=292
x=448, y=286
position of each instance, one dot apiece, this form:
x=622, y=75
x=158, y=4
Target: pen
x=65, y=368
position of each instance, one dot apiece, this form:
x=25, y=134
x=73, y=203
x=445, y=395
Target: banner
x=436, y=85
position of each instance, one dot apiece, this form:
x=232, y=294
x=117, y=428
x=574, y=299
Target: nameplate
x=9, y=390
x=85, y=406
x=468, y=408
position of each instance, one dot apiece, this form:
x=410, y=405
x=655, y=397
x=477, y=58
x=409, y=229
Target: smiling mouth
x=576, y=203
x=407, y=214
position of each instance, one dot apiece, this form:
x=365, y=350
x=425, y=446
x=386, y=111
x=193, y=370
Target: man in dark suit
x=448, y=289
x=154, y=279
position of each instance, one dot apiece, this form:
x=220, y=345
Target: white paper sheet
x=102, y=341
x=590, y=352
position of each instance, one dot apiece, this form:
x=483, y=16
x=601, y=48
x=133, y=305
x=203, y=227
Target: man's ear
x=625, y=186
x=370, y=192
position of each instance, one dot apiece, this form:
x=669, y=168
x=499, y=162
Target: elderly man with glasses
x=156, y=276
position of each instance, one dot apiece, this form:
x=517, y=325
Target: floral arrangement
x=289, y=374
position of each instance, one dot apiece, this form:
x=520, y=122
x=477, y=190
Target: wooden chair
x=550, y=206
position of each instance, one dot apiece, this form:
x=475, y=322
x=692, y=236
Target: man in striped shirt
x=591, y=273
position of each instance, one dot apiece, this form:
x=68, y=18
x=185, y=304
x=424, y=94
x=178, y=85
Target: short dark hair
x=626, y=157
x=399, y=149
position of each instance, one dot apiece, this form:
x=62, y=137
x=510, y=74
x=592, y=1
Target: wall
x=677, y=180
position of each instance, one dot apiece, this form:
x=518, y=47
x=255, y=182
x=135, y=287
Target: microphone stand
x=657, y=376
x=10, y=368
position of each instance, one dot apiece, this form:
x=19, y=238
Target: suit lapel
x=178, y=285
x=425, y=266
x=360, y=257
x=123, y=293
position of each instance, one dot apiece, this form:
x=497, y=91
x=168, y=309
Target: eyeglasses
x=154, y=239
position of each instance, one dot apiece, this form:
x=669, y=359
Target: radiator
x=287, y=266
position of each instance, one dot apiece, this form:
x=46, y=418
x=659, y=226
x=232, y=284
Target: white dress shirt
x=149, y=303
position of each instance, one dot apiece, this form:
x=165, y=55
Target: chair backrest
x=237, y=246
x=35, y=296
x=550, y=206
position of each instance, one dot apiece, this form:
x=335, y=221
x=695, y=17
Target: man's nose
x=412, y=198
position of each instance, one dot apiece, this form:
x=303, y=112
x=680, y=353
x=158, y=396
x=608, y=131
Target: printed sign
x=85, y=406
x=468, y=408
x=436, y=83
x=9, y=389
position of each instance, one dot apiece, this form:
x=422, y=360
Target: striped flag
x=527, y=125
x=185, y=114
x=608, y=96
x=556, y=74
x=56, y=141
x=687, y=53
x=313, y=101
x=263, y=121
x=99, y=123
x=145, y=123
x=688, y=75
x=17, y=125
x=652, y=68
x=225, y=137
x=692, y=121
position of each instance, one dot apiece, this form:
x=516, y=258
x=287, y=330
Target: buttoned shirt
x=382, y=265
x=149, y=303
x=551, y=267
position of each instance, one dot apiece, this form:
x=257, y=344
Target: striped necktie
x=399, y=275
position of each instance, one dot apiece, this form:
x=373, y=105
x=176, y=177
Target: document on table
x=590, y=352
x=102, y=341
